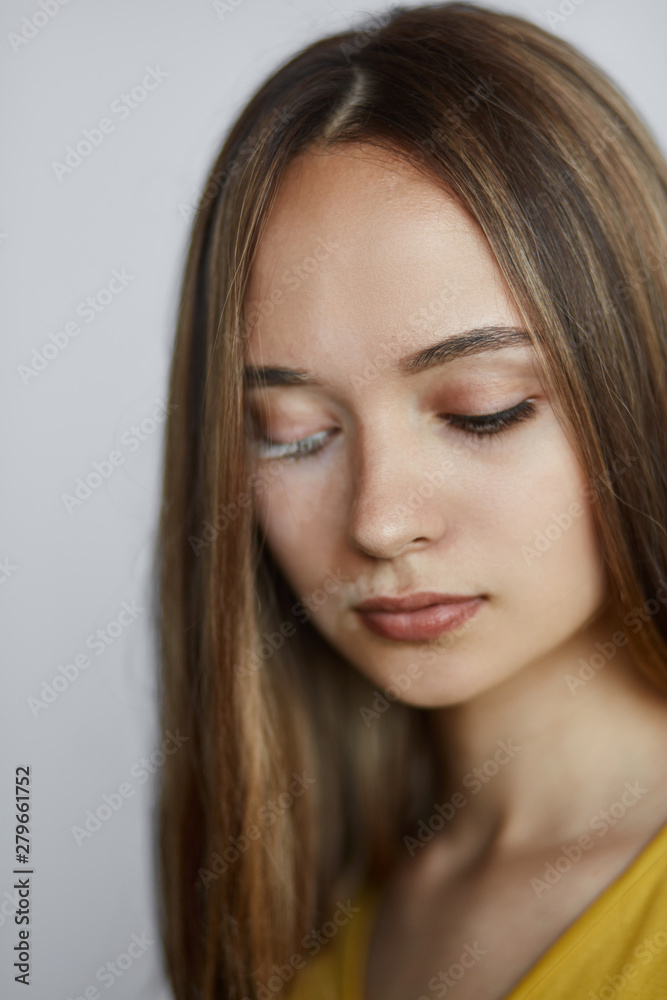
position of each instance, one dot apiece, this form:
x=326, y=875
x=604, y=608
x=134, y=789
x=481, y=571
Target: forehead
x=360, y=251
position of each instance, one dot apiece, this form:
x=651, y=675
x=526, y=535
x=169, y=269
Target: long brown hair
x=570, y=190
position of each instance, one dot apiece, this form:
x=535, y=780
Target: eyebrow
x=465, y=344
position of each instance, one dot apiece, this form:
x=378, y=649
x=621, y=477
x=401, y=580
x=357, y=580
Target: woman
x=420, y=364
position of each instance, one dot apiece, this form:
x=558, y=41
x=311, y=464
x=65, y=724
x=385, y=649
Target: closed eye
x=486, y=424
x=265, y=448
x=478, y=425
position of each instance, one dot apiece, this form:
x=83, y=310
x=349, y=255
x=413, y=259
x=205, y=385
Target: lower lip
x=424, y=623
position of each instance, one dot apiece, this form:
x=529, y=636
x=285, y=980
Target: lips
x=411, y=602
x=423, y=615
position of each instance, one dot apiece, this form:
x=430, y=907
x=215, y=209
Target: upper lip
x=411, y=602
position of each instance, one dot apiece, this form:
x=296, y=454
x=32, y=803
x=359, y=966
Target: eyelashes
x=482, y=425
x=295, y=449
x=486, y=424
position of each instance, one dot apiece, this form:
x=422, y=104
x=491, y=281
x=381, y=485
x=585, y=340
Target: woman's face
x=365, y=264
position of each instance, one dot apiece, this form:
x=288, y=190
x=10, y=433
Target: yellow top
x=615, y=950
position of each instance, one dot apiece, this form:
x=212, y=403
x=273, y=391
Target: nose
x=398, y=501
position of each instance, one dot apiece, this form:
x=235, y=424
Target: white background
x=123, y=207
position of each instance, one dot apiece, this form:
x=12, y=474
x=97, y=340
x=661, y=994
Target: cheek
x=522, y=516
x=299, y=527
x=549, y=545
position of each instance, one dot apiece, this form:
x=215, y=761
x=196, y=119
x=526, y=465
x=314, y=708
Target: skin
x=410, y=269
